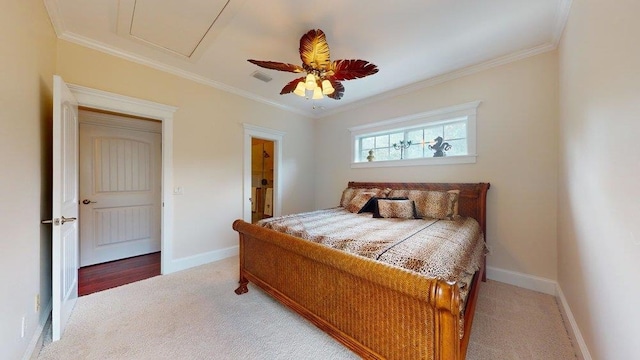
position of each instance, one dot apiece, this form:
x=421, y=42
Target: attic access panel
x=181, y=27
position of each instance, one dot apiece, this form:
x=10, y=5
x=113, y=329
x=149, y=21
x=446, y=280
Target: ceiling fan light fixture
x=323, y=76
x=310, y=82
x=300, y=89
x=317, y=93
x=327, y=88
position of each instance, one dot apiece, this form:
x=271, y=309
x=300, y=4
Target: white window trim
x=467, y=109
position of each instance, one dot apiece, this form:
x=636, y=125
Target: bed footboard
x=377, y=311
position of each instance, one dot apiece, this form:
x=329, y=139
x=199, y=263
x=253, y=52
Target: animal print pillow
x=349, y=193
x=433, y=204
x=359, y=201
x=401, y=209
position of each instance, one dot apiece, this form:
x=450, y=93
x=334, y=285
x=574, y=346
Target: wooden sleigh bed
x=376, y=310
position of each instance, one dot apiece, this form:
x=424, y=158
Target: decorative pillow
x=402, y=209
x=359, y=201
x=349, y=193
x=372, y=205
x=440, y=205
x=432, y=204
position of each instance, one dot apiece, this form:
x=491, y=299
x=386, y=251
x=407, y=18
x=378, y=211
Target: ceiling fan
x=323, y=75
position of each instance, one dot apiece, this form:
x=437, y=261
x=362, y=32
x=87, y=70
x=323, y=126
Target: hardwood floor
x=100, y=277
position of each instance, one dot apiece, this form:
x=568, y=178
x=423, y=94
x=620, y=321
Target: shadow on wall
x=46, y=187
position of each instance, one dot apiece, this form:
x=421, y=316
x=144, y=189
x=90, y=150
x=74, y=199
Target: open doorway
x=120, y=167
x=261, y=179
x=67, y=98
x=262, y=146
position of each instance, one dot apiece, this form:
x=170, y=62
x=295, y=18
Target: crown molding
x=562, y=16
x=54, y=15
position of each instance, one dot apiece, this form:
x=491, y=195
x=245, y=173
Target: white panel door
x=65, y=206
x=120, y=193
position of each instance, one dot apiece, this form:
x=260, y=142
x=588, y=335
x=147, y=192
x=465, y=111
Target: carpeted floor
x=194, y=314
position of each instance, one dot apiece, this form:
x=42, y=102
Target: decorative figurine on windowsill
x=371, y=157
x=402, y=147
x=439, y=147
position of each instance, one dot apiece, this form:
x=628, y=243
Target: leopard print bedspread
x=442, y=249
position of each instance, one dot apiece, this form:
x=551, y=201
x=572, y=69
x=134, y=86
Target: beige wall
x=517, y=147
x=27, y=61
x=208, y=143
x=598, y=228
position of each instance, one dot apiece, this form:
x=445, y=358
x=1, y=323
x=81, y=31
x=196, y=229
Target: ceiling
x=414, y=43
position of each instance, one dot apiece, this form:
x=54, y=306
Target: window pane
x=414, y=151
x=382, y=141
x=415, y=136
x=431, y=133
x=363, y=155
x=457, y=130
x=394, y=154
x=458, y=147
x=396, y=138
x=367, y=143
x=382, y=154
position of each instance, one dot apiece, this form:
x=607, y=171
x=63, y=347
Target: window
x=443, y=136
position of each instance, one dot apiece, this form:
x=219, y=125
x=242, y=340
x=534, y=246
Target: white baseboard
x=526, y=281
x=201, y=259
x=574, y=331
x=38, y=336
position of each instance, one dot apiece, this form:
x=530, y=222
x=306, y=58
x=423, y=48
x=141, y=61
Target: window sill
x=445, y=160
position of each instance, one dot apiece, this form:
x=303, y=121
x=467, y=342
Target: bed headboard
x=472, y=201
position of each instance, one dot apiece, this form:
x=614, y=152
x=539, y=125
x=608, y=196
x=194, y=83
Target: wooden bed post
x=445, y=299
x=482, y=219
x=242, y=288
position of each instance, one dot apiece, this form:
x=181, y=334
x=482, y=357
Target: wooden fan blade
x=277, y=66
x=314, y=50
x=291, y=86
x=352, y=69
x=339, y=90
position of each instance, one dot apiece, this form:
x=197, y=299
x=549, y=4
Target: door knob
x=87, y=202
x=57, y=221
x=70, y=219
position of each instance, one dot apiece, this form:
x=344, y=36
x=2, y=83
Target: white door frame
x=102, y=100
x=252, y=131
